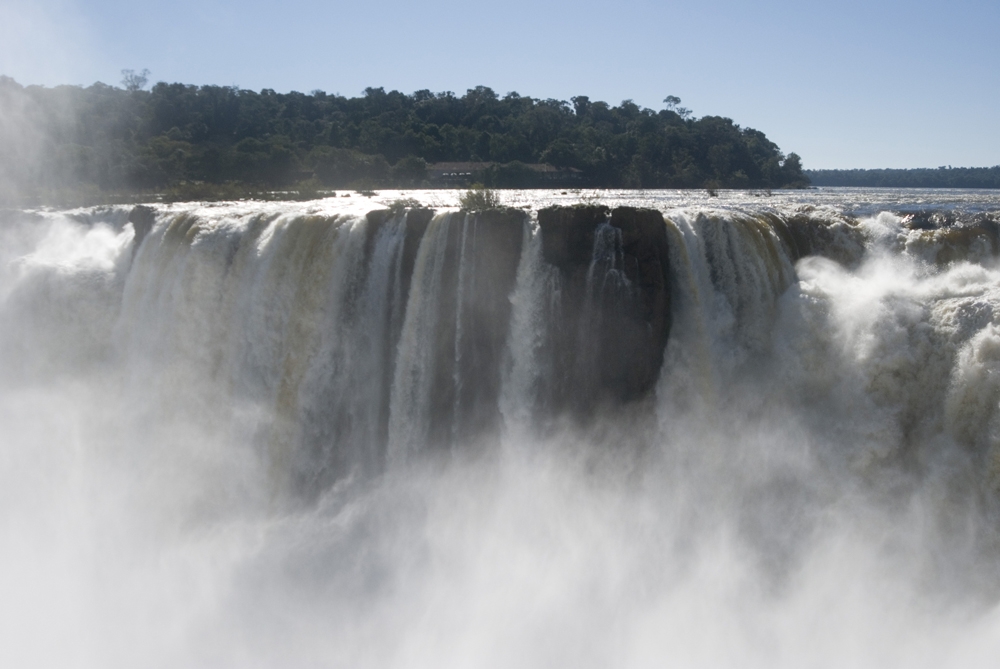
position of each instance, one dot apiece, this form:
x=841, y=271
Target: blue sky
x=881, y=83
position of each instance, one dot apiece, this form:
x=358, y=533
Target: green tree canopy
x=134, y=139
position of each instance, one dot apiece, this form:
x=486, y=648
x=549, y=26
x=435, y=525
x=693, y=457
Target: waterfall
x=729, y=272
x=535, y=303
x=353, y=434
x=413, y=389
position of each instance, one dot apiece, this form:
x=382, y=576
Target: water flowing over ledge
x=339, y=413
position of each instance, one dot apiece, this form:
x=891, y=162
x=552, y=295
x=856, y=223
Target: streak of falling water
x=535, y=302
x=412, y=396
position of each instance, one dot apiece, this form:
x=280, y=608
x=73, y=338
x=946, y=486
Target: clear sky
x=855, y=83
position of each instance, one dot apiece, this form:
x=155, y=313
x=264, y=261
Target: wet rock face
x=647, y=267
x=568, y=236
x=608, y=340
x=142, y=219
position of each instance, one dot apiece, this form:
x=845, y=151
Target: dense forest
x=132, y=140
x=941, y=177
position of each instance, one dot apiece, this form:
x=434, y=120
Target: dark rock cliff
x=142, y=219
x=609, y=339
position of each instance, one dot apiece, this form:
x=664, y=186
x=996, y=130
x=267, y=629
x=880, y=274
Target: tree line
x=940, y=177
x=129, y=139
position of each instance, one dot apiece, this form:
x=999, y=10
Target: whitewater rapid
x=306, y=434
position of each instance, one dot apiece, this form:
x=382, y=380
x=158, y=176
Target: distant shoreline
x=940, y=177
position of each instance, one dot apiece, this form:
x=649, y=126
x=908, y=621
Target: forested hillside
x=127, y=139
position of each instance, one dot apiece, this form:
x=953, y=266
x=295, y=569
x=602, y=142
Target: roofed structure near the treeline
x=465, y=173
